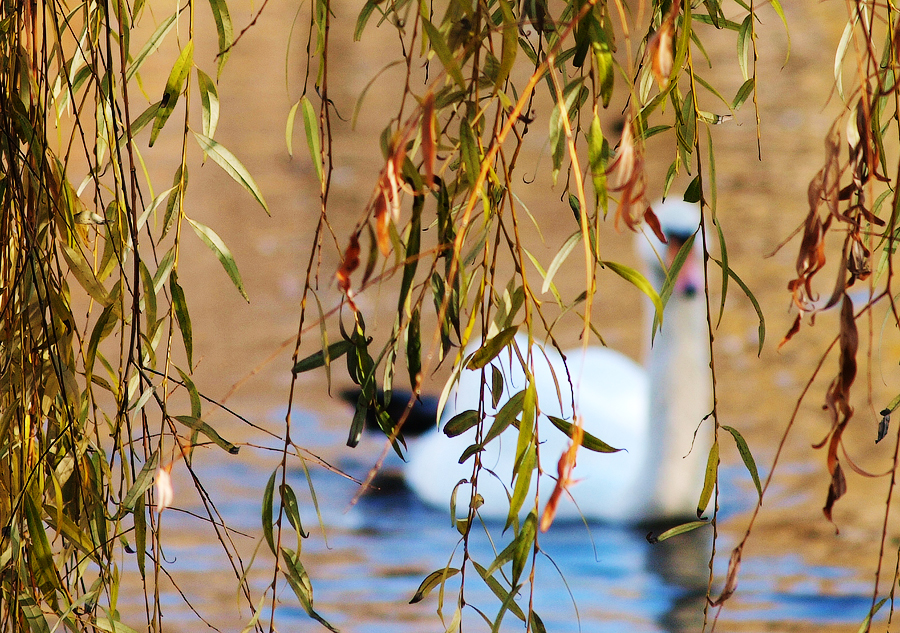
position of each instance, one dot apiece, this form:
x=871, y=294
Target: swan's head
x=679, y=220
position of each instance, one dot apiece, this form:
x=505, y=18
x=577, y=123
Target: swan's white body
x=652, y=413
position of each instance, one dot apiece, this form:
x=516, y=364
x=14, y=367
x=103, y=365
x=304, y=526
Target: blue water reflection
x=595, y=578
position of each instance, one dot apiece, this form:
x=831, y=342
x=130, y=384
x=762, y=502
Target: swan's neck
x=680, y=388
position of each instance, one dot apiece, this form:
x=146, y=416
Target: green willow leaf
x=37, y=622
x=559, y=259
x=193, y=394
x=179, y=306
x=747, y=457
x=267, y=508
x=363, y=18
x=499, y=591
x=174, y=86
x=83, y=272
x=40, y=555
x=176, y=196
x=678, y=529
x=314, y=361
x=639, y=281
x=461, y=422
x=506, y=416
x=752, y=297
x=151, y=46
x=289, y=129
x=867, y=622
x=298, y=578
x=292, y=509
x=743, y=93
x=588, y=441
x=491, y=348
x=598, y=150
x=211, y=239
x=197, y=424
x=439, y=45
x=224, y=29
x=743, y=45
x=709, y=483
x=431, y=581
x=723, y=249
x=311, y=125
x=209, y=102
x=510, y=44
x=232, y=166
x=142, y=482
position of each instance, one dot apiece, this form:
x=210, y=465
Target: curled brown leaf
x=349, y=263
x=734, y=565
x=626, y=176
x=429, y=146
x=660, y=50
x=564, y=480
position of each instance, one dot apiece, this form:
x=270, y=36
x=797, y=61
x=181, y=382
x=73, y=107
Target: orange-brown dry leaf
x=429, y=146
x=348, y=265
x=837, y=402
x=382, y=232
x=734, y=564
x=564, y=476
x=661, y=54
x=626, y=176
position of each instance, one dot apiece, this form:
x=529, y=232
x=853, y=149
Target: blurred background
x=366, y=560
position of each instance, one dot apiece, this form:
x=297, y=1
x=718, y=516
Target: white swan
x=652, y=414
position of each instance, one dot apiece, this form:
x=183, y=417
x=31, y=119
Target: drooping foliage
x=97, y=400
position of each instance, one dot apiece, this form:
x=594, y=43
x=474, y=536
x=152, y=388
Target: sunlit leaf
x=174, y=86
x=197, y=424
x=743, y=93
x=639, y=281
x=747, y=457
x=179, y=307
x=559, y=258
x=431, y=581
x=311, y=126
x=209, y=102
x=439, y=45
x=678, y=529
x=588, y=441
x=151, y=46
x=232, y=166
x=211, y=239
x=142, y=482
x=491, y=348
x=83, y=272
x=224, y=29
x=709, y=482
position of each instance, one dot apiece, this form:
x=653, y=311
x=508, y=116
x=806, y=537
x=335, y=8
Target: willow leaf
x=639, y=281
x=197, y=424
x=232, y=166
x=431, y=581
x=709, y=483
x=224, y=29
x=209, y=102
x=310, y=124
x=211, y=239
x=747, y=457
x=174, y=86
